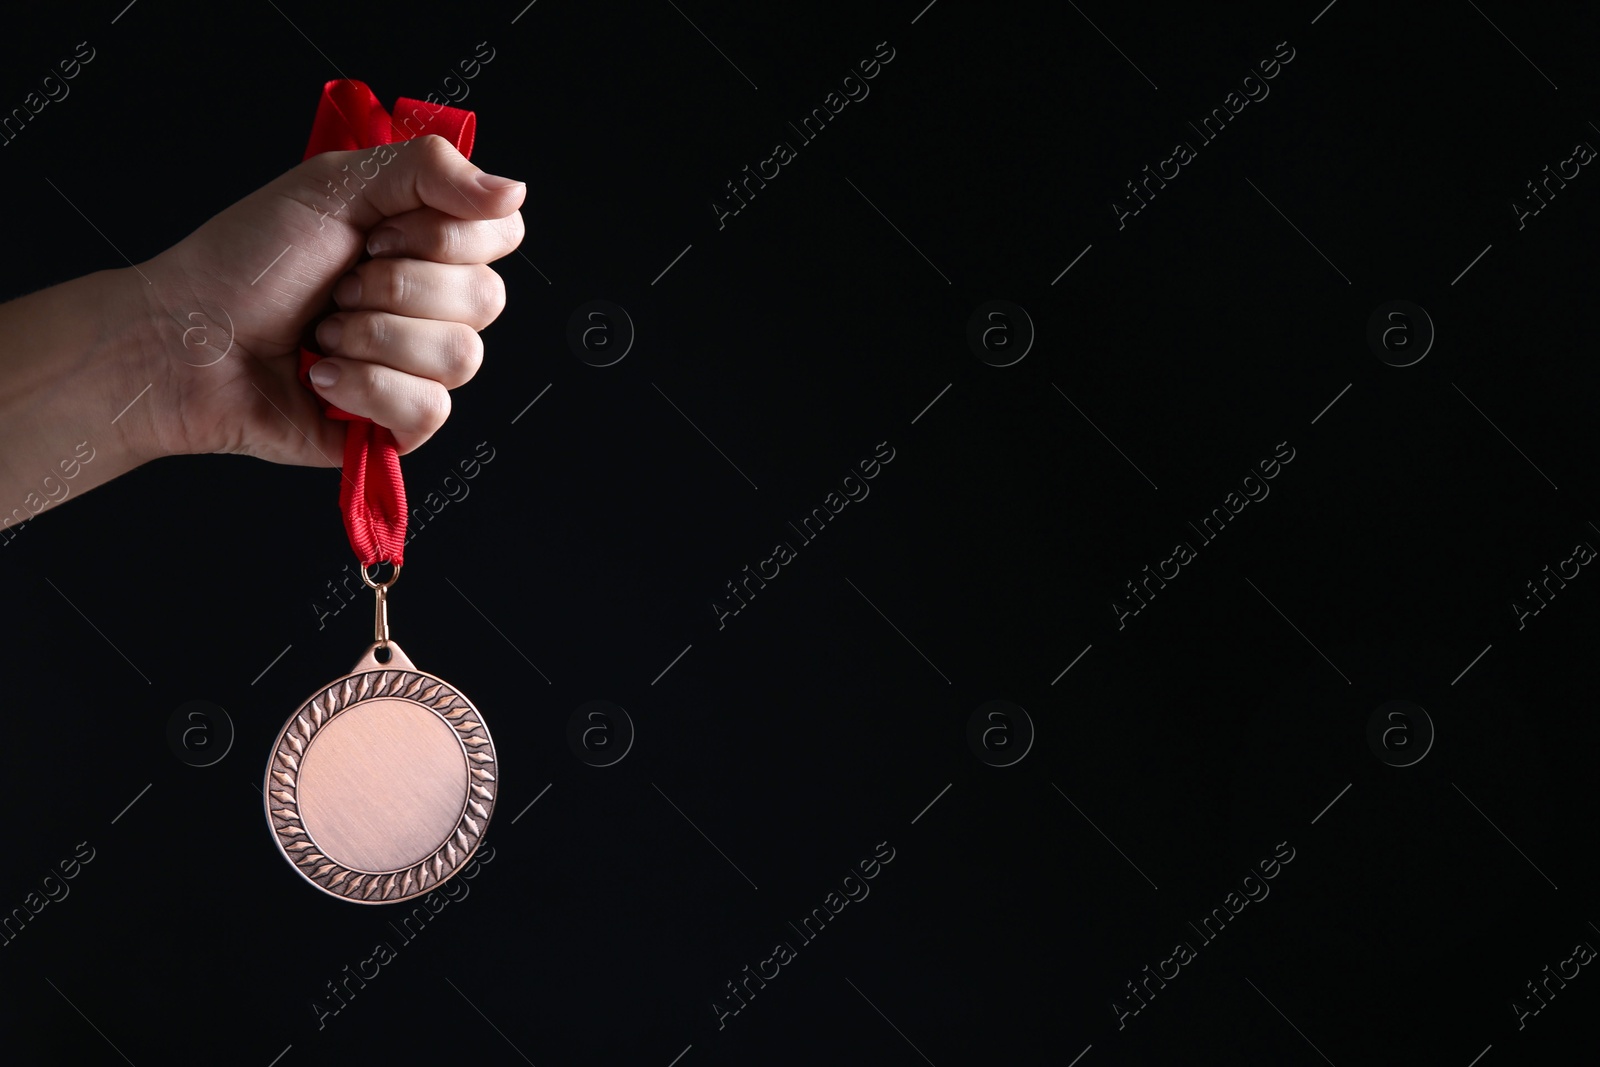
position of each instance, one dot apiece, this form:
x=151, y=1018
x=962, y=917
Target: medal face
x=380, y=786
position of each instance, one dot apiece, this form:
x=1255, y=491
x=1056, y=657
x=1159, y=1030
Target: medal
x=380, y=786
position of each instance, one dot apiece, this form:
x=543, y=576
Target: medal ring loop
x=380, y=585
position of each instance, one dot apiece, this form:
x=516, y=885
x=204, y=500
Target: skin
x=404, y=332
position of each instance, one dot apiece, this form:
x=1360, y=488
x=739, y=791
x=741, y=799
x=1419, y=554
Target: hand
x=404, y=334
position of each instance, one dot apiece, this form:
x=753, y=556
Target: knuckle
x=374, y=385
x=451, y=242
x=393, y=285
x=463, y=354
x=371, y=331
x=433, y=406
x=385, y=386
x=436, y=150
x=515, y=228
x=488, y=294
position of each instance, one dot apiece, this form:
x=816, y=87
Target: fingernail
x=348, y=291
x=494, y=183
x=328, y=334
x=383, y=241
x=324, y=373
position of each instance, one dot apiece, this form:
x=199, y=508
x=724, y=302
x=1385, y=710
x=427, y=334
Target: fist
x=387, y=277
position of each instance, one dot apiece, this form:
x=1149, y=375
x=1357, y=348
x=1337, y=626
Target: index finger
x=431, y=234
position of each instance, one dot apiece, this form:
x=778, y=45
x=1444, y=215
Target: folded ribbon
x=372, y=495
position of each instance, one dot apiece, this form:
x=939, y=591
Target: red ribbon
x=372, y=494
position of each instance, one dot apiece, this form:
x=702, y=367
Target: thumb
x=425, y=171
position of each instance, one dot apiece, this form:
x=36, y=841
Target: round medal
x=381, y=785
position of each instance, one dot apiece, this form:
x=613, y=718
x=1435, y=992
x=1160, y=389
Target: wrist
x=132, y=328
x=158, y=340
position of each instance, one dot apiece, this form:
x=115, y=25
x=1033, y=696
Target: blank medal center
x=382, y=785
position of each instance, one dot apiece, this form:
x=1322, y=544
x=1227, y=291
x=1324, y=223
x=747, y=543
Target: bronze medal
x=380, y=787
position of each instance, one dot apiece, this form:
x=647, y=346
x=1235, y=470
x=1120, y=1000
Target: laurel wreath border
x=282, y=788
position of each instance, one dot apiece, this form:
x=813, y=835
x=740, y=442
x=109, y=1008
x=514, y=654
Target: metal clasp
x=380, y=614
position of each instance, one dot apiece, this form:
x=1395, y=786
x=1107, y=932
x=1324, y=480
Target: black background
x=1176, y=753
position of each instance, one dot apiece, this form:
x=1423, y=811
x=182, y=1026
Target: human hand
x=404, y=334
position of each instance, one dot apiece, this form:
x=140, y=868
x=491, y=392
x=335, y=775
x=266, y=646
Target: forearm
x=70, y=363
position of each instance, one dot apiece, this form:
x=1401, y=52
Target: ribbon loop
x=372, y=494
